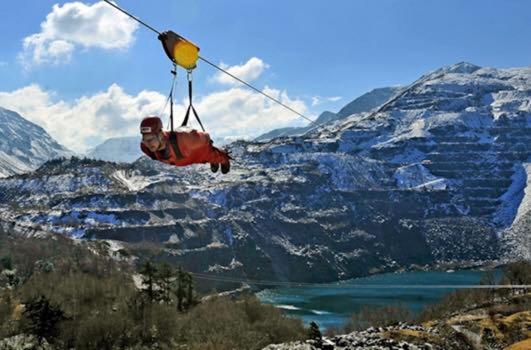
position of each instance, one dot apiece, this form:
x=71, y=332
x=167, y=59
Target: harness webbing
x=175, y=145
x=191, y=106
x=174, y=73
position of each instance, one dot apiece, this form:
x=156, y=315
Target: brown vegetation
x=103, y=309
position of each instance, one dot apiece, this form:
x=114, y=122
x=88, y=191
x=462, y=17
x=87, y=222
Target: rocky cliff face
x=435, y=174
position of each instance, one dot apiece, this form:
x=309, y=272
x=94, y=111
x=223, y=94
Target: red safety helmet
x=151, y=125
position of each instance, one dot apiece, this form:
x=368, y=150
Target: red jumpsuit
x=192, y=147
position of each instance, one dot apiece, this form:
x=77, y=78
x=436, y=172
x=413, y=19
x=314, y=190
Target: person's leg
x=203, y=151
x=220, y=157
x=220, y=154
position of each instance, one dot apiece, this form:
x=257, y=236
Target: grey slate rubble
x=371, y=338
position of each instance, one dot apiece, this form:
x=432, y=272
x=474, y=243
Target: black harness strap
x=191, y=107
x=151, y=155
x=174, y=145
x=174, y=73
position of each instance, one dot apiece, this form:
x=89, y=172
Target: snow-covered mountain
x=118, y=149
x=364, y=103
x=24, y=146
x=438, y=173
x=368, y=101
x=323, y=118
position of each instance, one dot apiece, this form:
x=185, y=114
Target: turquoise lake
x=331, y=305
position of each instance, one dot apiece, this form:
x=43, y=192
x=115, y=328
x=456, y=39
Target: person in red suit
x=181, y=147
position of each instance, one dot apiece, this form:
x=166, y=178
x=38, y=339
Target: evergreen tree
x=43, y=318
x=6, y=263
x=190, y=295
x=179, y=290
x=149, y=275
x=315, y=334
x=165, y=275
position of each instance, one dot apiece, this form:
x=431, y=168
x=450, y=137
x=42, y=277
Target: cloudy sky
x=85, y=72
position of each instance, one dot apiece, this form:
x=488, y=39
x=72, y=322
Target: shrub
x=9, y=314
x=5, y=262
x=244, y=324
x=315, y=334
x=378, y=316
x=518, y=273
x=43, y=318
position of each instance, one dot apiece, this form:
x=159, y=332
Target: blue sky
x=89, y=84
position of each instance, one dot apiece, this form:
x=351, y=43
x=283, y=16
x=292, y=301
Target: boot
x=225, y=167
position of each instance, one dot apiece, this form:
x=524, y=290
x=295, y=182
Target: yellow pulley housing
x=180, y=50
x=185, y=54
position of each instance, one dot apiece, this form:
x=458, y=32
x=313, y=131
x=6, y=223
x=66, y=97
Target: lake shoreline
x=330, y=305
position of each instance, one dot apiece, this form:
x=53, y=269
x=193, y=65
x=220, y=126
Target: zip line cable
x=356, y=286
x=213, y=65
x=133, y=17
x=255, y=89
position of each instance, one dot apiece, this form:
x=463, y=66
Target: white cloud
x=77, y=25
x=317, y=100
x=89, y=120
x=231, y=114
x=3, y=64
x=248, y=71
x=239, y=113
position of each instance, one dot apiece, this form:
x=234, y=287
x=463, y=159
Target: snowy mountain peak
x=24, y=145
x=368, y=101
x=117, y=149
x=462, y=68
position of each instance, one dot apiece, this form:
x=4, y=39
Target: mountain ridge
x=433, y=166
x=363, y=103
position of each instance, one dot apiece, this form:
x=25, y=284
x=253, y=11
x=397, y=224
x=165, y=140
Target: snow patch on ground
x=132, y=183
x=525, y=204
x=417, y=176
x=512, y=200
x=94, y=218
x=234, y=264
x=517, y=237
